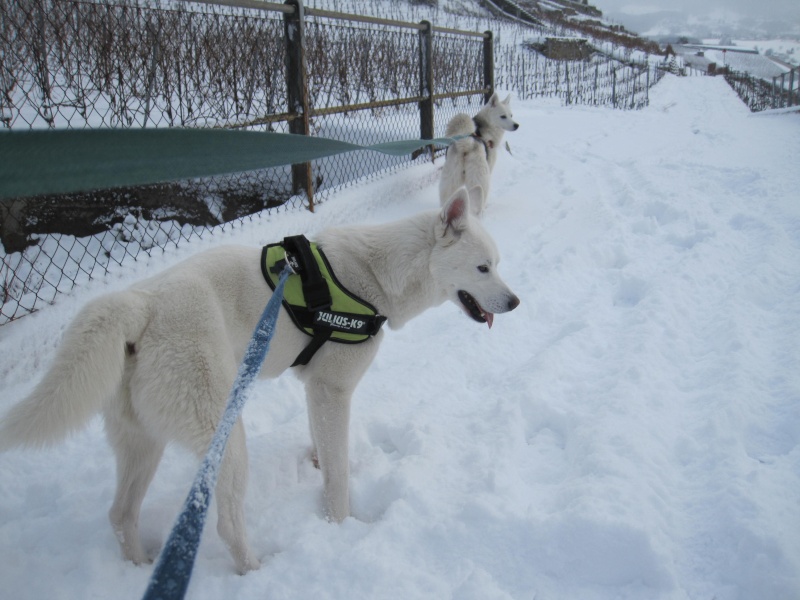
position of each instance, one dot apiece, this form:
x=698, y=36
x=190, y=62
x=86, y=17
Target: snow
x=756, y=65
x=629, y=432
x=787, y=50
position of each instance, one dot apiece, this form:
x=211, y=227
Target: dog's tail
x=86, y=372
x=461, y=124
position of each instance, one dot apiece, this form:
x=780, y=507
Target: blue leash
x=171, y=575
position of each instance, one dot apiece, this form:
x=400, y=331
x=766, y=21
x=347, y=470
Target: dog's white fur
x=158, y=359
x=470, y=161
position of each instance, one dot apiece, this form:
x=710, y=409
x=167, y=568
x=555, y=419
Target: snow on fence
x=245, y=65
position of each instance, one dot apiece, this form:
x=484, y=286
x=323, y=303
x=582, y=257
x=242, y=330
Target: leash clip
x=292, y=262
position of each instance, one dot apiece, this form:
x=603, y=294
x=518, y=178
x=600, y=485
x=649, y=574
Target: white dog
x=158, y=359
x=470, y=161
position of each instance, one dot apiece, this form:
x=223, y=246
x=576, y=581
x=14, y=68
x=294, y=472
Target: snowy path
x=629, y=432
x=695, y=230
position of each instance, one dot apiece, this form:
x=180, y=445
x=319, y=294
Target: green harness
x=318, y=304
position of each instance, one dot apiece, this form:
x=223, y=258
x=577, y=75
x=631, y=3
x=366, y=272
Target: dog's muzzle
x=480, y=314
x=474, y=310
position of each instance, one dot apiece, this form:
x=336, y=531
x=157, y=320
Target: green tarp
x=62, y=161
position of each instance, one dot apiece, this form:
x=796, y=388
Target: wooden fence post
x=154, y=43
x=426, y=128
x=783, y=91
x=297, y=92
x=488, y=65
x=774, y=90
x=613, y=87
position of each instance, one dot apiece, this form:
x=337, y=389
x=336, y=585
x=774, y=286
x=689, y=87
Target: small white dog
x=470, y=161
x=158, y=359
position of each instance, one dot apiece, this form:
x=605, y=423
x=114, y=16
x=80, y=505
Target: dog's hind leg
x=138, y=455
x=231, y=488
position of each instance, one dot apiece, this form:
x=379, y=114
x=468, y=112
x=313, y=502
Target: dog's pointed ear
x=494, y=100
x=476, y=196
x=507, y=101
x=454, y=215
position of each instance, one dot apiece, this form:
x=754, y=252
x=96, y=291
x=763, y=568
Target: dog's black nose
x=513, y=302
x=516, y=126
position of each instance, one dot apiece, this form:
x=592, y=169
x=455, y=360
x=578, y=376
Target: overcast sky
x=770, y=9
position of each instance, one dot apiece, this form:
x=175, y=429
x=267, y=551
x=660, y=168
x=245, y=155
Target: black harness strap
x=477, y=136
x=302, y=262
x=320, y=337
x=315, y=290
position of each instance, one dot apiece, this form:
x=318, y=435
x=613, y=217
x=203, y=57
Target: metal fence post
x=774, y=88
x=297, y=92
x=488, y=65
x=426, y=82
x=614, y=87
x=782, y=102
x=155, y=45
x=42, y=73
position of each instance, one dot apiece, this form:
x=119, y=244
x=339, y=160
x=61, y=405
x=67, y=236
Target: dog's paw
x=250, y=563
x=313, y=457
x=136, y=555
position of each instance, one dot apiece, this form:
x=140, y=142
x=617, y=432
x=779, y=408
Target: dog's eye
x=483, y=269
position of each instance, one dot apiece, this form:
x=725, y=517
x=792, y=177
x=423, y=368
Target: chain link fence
x=73, y=64
x=128, y=63
x=598, y=81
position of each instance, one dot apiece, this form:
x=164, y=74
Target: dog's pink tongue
x=489, y=318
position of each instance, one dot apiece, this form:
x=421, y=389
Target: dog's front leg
x=329, y=417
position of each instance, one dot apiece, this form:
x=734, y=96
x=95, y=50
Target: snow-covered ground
x=629, y=432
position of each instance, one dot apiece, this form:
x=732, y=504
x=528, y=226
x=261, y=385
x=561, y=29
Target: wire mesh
x=356, y=64
x=599, y=81
x=169, y=63
x=132, y=63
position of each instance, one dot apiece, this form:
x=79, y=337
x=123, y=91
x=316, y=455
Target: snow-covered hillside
x=630, y=432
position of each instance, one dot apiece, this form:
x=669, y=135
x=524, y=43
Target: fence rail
x=237, y=64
